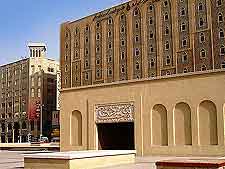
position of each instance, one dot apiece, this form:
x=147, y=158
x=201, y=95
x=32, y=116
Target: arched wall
x=182, y=120
x=208, y=123
x=159, y=126
x=76, y=128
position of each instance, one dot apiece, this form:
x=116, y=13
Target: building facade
x=28, y=94
x=133, y=68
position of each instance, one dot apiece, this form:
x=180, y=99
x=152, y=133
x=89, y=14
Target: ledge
x=169, y=77
x=79, y=154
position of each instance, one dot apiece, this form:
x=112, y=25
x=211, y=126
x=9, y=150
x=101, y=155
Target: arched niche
x=159, y=126
x=208, y=123
x=76, y=128
x=182, y=120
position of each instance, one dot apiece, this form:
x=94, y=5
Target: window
x=122, y=30
x=136, y=38
x=66, y=68
x=150, y=21
x=165, y=3
x=166, y=16
x=137, y=25
x=110, y=59
x=167, y=45
x=137, y=66
x=32, y=92
x=220, y=17
x=203, y=68
x=86, y=51
x=109, y=34
x=183, y=12
x=221, y=34
x=184, y=42
x=86, y=76
x=122, y=42
x=122, y=55
x=39, y=92
x=222, y=50
x=137, y=52
x=97, y=49
x=223, y=65
x=184, y=58
x=152, y=63
x=202, y=37
x=183, y=27
x=151, y=7
x=86, y=39
x=98, y=25
x=219, y=2
x=167, y=31
x=168, y=60
x=110, y=21
x=110, y=71
x=151, y=49
x=203, y=53
x=87, y=28
x=39, y=68
x=98, y=36
x=201, y=22
x=151, y=35
x=98, y=73
x=39, y=81
x=32, y=81
x=32, y=69
x=123, y=69
x=200, y=7
x=86, y=63
x=122, y=17
x=136, y=12
x=110, y=46
x=97, y=61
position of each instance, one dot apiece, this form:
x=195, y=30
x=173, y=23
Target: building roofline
x=11, y=63
x=95, y=13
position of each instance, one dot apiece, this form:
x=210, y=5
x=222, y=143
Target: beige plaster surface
x=192, y=89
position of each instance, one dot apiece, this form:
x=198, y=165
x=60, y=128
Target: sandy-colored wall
x=190, y=89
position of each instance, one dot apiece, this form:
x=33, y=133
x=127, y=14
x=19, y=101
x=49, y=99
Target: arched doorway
x=159, y=125
x=182, y=117
x=208, y=123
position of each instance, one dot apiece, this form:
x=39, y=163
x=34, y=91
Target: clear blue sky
x=22, y=21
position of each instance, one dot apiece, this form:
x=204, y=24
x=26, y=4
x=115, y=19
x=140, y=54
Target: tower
x=37, y=49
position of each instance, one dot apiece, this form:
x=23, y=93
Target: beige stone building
x=145, y=75
x=27, y=91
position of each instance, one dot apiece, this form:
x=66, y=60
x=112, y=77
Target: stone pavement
x=14, y=160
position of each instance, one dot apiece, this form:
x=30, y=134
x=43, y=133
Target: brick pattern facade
x=144, y=39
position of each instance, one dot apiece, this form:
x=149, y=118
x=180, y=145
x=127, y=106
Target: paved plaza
x=14, y=160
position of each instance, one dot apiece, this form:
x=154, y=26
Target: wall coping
x=168, y=77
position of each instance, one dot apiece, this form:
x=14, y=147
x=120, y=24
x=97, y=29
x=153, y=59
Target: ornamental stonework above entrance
x=115, y=113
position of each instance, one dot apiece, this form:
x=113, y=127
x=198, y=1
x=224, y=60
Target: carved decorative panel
x=115, y=113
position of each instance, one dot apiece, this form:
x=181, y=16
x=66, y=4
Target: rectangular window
x=39, y=92
x=32, y=81
x=32, y=69
x=32, y=92
x=39, y=81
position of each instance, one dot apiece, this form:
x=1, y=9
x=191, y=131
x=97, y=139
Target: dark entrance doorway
x=116, y=136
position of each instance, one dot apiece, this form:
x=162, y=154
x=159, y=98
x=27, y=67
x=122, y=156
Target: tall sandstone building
x=149, y=73
x=28, y=96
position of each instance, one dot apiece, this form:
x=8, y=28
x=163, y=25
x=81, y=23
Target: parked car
x=44, y=140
